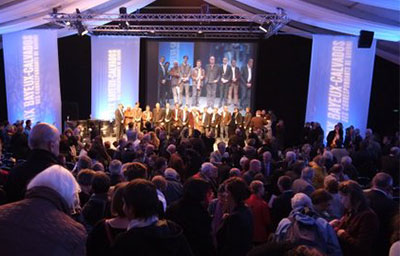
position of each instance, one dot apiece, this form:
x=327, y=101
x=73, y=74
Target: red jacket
x=261, y=218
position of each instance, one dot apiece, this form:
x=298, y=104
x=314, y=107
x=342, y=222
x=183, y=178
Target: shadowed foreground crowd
x=173, y=194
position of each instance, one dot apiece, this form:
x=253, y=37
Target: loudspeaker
x=365, y=39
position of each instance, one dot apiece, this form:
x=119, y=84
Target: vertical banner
x=115, y=74
x=340, y=82
x=32, y=76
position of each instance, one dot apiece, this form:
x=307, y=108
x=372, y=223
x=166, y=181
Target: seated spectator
x=115, y=169
x=174, y=189
x=134, y=170
x=160, y=165
x=217, y=209
x=281, y=205
x=304, y=227
x=348, y=168
x=216, y=156
x=84, y=162
x=41, y=224
x=381, y=202
x=321, y=200
x=235, y=235
x=161, y=185
x=337, y=171
x=304, y=184
x=358, y=229
x=234, y=172
x=105, y=231
x=145, y=230
x=84, y=179
x=109, y=150
x=44, y=144
x=319, y=171
x=262, y=224
x=98, y=206
x=254, y=169
x=191, y=214
x=331, y=185
x=209, y=173
x=98, y=167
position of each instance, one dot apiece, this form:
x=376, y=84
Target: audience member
x=41, y=224
x=304, y=183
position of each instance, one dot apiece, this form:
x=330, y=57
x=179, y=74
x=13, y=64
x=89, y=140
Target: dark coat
x=361, y=233
x=385, y=208
x=39, y=225
x=281, y=207
x=19, y=177
x=97, y=208
x=163, y=238
x=196, y=224
x=174, y=190
x=236, y=233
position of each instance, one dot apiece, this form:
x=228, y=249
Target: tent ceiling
x=307, y=16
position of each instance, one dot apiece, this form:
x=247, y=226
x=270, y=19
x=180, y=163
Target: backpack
x=299, y=233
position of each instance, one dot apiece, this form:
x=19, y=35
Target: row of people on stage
x=227, y=78
x=219, y=122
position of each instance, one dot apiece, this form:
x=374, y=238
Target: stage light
x=264, y=28
x=122, y=15
x=81, y=29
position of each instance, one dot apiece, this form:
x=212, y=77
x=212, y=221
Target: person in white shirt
x=226, y=78
x=247, y=79
x=234, y=85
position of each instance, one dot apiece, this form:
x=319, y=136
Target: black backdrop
x=282, y=82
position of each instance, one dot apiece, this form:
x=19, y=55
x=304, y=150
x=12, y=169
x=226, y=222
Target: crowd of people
x=184, y=191
x=226, y=78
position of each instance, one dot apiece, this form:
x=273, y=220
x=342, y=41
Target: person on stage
x=162, y=81
x=213, y=75
x=158, y=115
x=224, y=124
x=205, y=121
x=175, y=82
x=119, y=121
x=128, y=116
x=184, y=71
x=194, y=120
x=177, y=117
x=234, y=85
x=226, y=77
x=214, y=122
x=247, y=121
x=247, y=79
x=147, y=116
x=237, y=119
x=198, y=75
x=167, y=118
x=137, y=116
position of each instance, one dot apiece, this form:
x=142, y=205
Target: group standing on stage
x=226, y=79
x=220, y=123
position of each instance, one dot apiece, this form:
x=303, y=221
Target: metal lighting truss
x=178, y=24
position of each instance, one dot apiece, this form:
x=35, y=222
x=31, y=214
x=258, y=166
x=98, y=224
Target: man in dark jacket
x=191, y=214
x=44, y=141
x=147, y=235
x=281, y=206
x=40, y=224
x=174, y=188
x=385, y=208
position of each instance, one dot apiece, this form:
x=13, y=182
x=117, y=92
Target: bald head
x=46, y=137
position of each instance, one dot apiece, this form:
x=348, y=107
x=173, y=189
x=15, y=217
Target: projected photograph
x=206, y=74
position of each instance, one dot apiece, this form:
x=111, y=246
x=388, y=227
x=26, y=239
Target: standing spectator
x=262, y=223
x=98, y=206
x=44, y=142
x=304, y=184
x=115, y=169
x=145, y=230
x=381, y=202
x=174, y=190
x=191, y=214
x=41, y=224
x=304, y=227
x=84, y=179
x=357, y=230
x=104, y=233
x=236, y=233
x=281, y=205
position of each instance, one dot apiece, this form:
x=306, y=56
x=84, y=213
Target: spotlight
x=123, y=15
x=263, y=29
x=81, y=29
